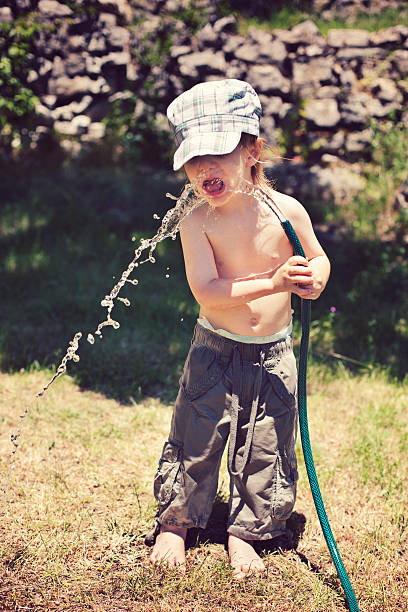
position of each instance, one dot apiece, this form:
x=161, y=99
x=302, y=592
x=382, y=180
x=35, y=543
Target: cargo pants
x=246, y=392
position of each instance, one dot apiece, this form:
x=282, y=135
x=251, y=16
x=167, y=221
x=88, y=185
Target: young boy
x=239, y=379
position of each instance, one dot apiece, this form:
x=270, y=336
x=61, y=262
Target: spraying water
x=169, y=227
x=185, y=204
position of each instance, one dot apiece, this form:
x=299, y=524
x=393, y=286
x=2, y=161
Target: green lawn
x=78, y=499
x=78, y=493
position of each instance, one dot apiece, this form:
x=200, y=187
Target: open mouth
x=213, y=186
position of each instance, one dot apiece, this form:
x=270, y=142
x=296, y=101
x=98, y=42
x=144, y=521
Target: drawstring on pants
x=237, y=378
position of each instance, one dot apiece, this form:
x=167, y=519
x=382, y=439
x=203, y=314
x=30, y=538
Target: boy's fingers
x=302, y=292
x=302, y=280
x=300, y=271
x=298, y=259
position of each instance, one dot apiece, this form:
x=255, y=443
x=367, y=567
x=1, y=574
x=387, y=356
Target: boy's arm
x=214, y=292
x=316, y=259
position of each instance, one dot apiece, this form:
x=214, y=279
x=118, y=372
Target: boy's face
x=218, y=177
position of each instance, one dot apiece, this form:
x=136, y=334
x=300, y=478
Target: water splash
x=241, y=186
x=262, y=196
x=71, y=354
x=185, y=203
x=169, y=227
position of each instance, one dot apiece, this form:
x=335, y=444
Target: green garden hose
x=304, y=434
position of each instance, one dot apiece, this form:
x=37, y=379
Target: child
x=239, y=379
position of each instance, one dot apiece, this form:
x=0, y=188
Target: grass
x=65, y=238
x=66, y=235
x=78, y=499
x=289, y=15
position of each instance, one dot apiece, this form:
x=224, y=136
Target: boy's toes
x=181, y=567
x=243, y=558
x=168, y=559
x=169, y=548
x=245, y=568
x=239, y=574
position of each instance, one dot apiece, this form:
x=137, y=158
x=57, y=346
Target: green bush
x=371, y=212
x=134, y=138
x=17, y=101
x=369, y=280
x=370, y=292
x=194, y=16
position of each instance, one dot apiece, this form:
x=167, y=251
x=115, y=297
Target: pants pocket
x=283, y=378
x=169, y=476
x=284, y=493
x=202, y=371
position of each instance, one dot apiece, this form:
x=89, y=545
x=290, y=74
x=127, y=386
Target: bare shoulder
x=291, y=208
x=195, y=220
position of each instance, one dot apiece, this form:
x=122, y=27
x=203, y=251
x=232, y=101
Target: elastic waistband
x=248, y=351
x=283, y=333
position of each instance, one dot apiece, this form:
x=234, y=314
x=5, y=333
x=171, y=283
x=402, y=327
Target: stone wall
x=321, y=92
x=346, y=9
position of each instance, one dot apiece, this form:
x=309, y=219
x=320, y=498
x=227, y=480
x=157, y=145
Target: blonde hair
x=257, y=170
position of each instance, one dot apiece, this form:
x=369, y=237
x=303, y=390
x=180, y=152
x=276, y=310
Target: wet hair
x=257, y=170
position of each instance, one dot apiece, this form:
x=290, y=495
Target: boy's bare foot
x=169, y=547
x=243, y=558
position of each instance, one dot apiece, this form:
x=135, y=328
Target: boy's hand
x=297, y=276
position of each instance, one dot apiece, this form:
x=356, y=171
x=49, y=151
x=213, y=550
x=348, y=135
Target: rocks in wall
x=346, y=9
x=82, y=60
x=322, y=91
x=400, y=204
x=338, y=83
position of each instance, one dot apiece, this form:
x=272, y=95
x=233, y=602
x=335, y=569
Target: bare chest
x=250, y=245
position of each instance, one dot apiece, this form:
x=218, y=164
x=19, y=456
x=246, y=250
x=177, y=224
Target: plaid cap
x=209, y=118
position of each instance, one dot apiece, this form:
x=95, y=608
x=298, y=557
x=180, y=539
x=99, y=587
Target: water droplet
x=125, y=301
x=133, y=238
x=167, y=275
x=182, y=319
x=90, y=339
x=156, y=216
x=75, y=358
x=115, y=324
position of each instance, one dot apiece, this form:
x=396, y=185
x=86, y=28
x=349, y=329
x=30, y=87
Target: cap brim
x=210, y=143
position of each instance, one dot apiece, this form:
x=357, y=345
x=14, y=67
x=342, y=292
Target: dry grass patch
x=78, y=500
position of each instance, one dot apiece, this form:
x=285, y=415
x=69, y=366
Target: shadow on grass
x=65, y=238
x=216, y=532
